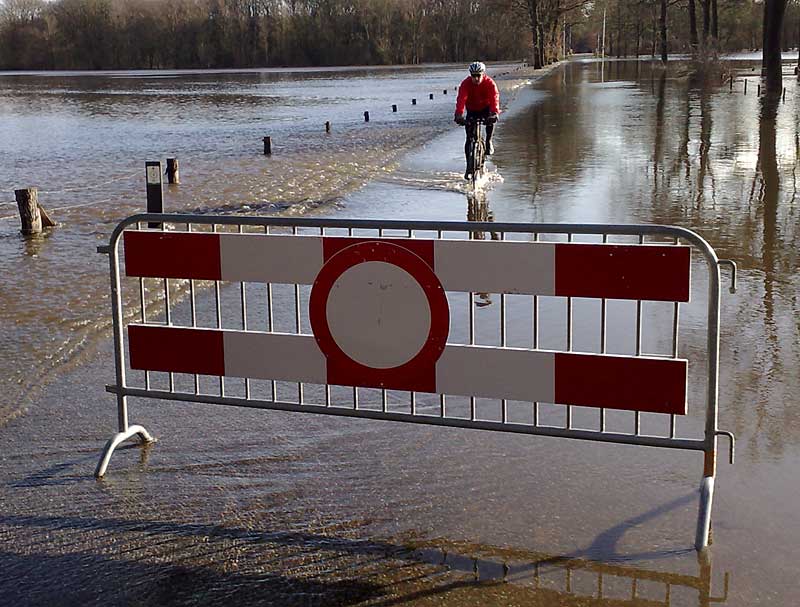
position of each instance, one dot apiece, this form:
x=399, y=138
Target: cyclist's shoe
x=489, y=148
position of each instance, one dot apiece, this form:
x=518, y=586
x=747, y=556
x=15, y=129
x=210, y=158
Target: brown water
x=247, y=507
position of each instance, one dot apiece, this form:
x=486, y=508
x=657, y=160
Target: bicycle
x=476, y=149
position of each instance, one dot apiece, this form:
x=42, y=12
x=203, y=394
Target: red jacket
x=476, y=97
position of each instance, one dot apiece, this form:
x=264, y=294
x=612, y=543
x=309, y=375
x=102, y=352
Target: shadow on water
x=232, y=565
x=169, y=585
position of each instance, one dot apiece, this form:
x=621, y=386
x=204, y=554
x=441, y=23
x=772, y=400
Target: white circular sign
x=378, y=314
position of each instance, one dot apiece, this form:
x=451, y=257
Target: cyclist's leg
x=489, y=130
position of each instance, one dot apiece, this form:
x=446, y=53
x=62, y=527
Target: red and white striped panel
x=616, y=382
x=613, y=271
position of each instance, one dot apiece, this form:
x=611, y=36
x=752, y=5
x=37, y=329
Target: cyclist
x=477, y=94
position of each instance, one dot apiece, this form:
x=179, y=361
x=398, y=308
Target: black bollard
x=745, y=86
x=155, y=191
x=444, y=91
x=413, y=102
x=366, y=116
x=267, y=146
x=394, y=107
x=430, y=96
x=327, y=127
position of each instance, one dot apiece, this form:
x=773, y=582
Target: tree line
x=109, y=34
x=151, y=34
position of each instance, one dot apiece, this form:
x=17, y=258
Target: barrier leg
x=118, y=438
x=704, y=513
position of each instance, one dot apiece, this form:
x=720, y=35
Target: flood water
x=250, y=507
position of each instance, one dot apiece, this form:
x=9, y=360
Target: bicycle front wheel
x=472, y=164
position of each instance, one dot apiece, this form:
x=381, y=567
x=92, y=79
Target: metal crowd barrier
x=424, y=322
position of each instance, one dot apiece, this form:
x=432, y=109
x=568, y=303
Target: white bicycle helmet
x=476, y=67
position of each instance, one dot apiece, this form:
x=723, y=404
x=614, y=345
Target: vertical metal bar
x=442, y=398
x=271, y=325
x=535, y=339
x=413, y=394
x=119, y=356
x=638, y=415
x=355, y=390
x=472, y=405
x=675, y=332
x=569, y=339
x=193, y=311
x=218, y=303
x=144, y=321
x=384, y=394
x=168, y=318
x=710, y=460
x=503, y=340
x=327, y=386
x=297, y=313
x=167, y=313
x=243, y=292
x=599, y=585
x=603, y=340
x=167, y=310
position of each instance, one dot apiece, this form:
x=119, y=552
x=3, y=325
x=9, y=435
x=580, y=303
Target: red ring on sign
x=418, y=373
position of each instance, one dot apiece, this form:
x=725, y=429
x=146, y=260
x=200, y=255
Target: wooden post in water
x=173, y=175
x=784, y=94
x=731, y=84
x=745, y=86
x=430, y=96
x=413, y=102
x=328, y=126
x=366, y=116
x=28, y=204
x=758, y=92
x=444, y=91
x=155, y=193
x=267, y=146
x=394, y=107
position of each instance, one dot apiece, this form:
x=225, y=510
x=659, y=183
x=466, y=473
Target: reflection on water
x=634, y=142
x=478, y=210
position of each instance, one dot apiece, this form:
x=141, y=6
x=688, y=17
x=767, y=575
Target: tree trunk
x=714, y=23
x=706, y=20
x=692, y=25
x=662, y=22
x=774, y=11
x=533, y=16
x=28, y=204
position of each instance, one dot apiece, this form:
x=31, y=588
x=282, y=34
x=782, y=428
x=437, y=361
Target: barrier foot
x=704, y=515
x=112, y=444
